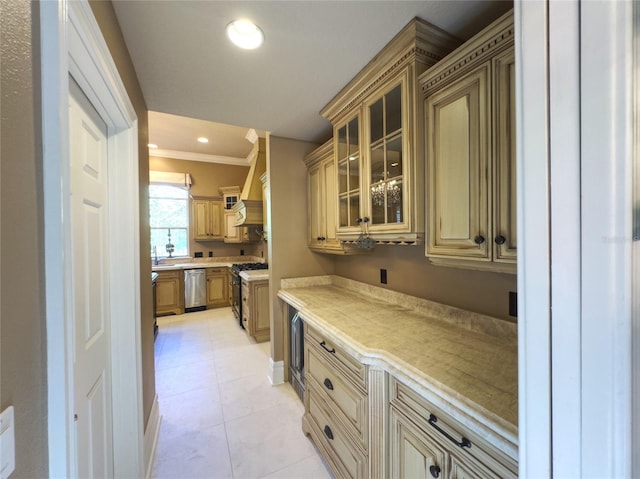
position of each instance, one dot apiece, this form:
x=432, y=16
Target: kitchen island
x=463, y=365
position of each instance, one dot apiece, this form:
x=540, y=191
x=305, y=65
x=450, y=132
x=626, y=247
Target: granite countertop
x=459, y=360
x=255, y=275
x=192, y=263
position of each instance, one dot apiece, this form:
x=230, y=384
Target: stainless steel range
x=236, y=286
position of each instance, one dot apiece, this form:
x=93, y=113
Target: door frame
x=72, y=44
x=575, y=170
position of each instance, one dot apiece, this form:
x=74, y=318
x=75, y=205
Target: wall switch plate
x=513, y=304
x=7, y=443
x=383, y=276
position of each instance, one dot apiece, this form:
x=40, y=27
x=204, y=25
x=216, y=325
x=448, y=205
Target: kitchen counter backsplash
x=213, y=259
x=468, y=319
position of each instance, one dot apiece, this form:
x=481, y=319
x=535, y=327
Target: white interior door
x=90, y=290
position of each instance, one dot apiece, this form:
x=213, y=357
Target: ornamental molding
x=470, y=56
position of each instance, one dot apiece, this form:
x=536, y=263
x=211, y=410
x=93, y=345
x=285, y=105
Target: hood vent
x=248, y=210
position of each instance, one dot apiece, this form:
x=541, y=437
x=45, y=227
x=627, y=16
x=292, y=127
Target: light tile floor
x=221, y=418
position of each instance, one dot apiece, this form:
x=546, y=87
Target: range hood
x=248, y=210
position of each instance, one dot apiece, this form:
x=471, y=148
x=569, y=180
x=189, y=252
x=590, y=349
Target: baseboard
x=276, y=372
x=151, y=434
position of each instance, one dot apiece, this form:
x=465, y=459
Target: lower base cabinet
x=336, y=406
x=217, y=295
x=169, y=293
x=426, y=442
x=255, y=309
x=345, y=417
x=413, y=453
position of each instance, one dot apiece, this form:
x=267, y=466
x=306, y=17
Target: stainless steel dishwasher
x=195, y=290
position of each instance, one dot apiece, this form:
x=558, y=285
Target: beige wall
x=207, y=179
x=409, y=272
x=288, y=252
x=108, y=23
x=23, y=368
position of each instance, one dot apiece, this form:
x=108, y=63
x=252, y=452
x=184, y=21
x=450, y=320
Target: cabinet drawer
x=479, y=456
x=164, y=275
x=337, y=358
x=347, y=402
x=216, y=271
x=343, y=453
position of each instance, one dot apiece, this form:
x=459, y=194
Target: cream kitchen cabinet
x=413, y=454
x=378, y=139
x=170, y=292
x=238, y=234
x=321, y=189
x=470, y=122
x=255, y=309
x=207, y=214
x=336, y=405
x=425, y=441
x=217, y=295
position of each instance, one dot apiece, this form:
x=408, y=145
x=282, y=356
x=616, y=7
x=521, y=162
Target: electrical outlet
x=7, y=443
x=383, y=276
x=513, y=304
x=197, y=254
x=210, y=254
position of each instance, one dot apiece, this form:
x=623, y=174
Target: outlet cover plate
x=7, y=443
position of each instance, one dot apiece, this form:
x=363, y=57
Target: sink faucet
x=155, y=255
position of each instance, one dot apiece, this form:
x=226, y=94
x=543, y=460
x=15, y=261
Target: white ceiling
x=187, y=67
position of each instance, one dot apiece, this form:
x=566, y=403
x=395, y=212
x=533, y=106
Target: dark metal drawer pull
x=435, y=471
x=324, y=346
x=328, y=433
x=328, y=384
x=464, y=442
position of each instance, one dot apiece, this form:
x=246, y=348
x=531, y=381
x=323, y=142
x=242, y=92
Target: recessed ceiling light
x=245, y=34
x=152, y=145
x=202, y=139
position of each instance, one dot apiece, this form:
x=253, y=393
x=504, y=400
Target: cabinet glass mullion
x=385, y=150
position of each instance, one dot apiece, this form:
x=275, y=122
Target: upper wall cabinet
x=378, y=139
x=470, y=144
x=321, y=202
x=207, y=217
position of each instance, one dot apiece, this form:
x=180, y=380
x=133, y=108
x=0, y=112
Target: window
x=169, y=214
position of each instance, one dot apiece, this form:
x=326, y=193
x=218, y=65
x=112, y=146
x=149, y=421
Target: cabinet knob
x=478, y=239
x=322, y=238
x=328, y=384
x=500, y=239
x=328, y=432
x=358, y=220
x=435, y=471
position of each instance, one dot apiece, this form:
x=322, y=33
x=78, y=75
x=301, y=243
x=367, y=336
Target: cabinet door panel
x=315, y=207
x=457, y=164
x=330, y=195
x=412, y=453
x=505, y=158
x=200, y=219
x=216, y=220
x=216, y=290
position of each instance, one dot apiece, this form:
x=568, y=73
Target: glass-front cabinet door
x=349, y=160
x=386, y=160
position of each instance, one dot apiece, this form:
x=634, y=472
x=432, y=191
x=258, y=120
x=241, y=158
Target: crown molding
x=190, y=156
